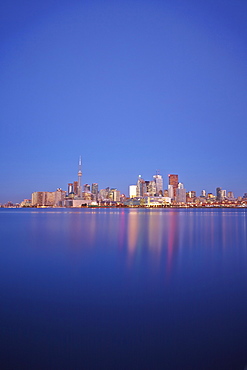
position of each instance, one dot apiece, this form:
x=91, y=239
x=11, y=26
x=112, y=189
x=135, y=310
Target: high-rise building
x=173, y=180
x=114, y=195
x=43, y=198
x=218, y=194
x=141, y=188
x=159, y=184
x=203, y=193
x=181, y=195
x=132, y=191
x=151, y=188
x=170, y=191
x=223, y=194
x=59, y=197
x=75, y=187
x=86, y=188
x=95, y=190
x=230, y=195
x=70, y=188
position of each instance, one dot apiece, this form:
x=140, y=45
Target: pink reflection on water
x=132, y=233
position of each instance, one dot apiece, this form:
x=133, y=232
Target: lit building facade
x=132, y=191
x=158, y=179
x=173, y=180
x=95, y=190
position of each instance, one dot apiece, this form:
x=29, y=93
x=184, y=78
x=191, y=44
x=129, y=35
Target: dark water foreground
x=123, y=289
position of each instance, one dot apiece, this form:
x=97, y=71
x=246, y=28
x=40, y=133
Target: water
x=123, y=289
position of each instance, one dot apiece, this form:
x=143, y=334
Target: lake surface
x=123, y=288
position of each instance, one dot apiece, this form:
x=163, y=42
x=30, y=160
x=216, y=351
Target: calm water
x=123, y=289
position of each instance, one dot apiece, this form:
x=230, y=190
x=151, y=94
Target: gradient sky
x=132, y=86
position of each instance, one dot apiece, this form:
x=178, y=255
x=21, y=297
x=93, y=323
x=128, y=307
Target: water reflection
x=161, y=236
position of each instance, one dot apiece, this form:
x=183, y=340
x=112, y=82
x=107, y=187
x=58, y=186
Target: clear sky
x=132, y=86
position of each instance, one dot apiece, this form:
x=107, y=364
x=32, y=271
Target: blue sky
x=132, y=86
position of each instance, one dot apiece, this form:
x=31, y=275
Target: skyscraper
x=181, y=193
x=75, y=185
x=218, y=194
x=173, y=181
x=141, y=187
x=159, y=184
x=95, y=190
x=70, y=188
x=86, y=188
x=132, y=191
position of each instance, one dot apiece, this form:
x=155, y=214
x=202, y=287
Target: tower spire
x=79, y=177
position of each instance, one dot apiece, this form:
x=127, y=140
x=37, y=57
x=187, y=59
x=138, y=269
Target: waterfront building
x=132, y=191
x=26, y=203
x=114, y=195
x=203, y=193
x=43, y=198
x=104, y=194
x=59, y=197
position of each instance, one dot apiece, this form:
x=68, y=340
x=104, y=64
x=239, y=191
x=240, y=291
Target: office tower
x=38, y=198
x=86, y=188
x=132, y=191
x=165, y=193
x=151, y=188
x=114, y=195
x=170, y=191
x=203, y=193
x=181, y=195
x=102, y=194
x=43, y=198
x=159, y=184
x=141, y=188
x=173, y=180
x=230, y=195
x=192, y=194
x=75, y=187
x=223, y=194
x=79, y=178
x=70, y=188
x=95, y=190
x=218, y=194
x=59, y=197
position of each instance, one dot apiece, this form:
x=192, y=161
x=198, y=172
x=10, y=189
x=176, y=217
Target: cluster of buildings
x=142, y=194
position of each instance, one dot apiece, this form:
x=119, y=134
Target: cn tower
x=79, y=178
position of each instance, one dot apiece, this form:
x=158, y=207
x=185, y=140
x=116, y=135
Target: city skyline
x=134, y=87
x=79, y=186
x=173, y=193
